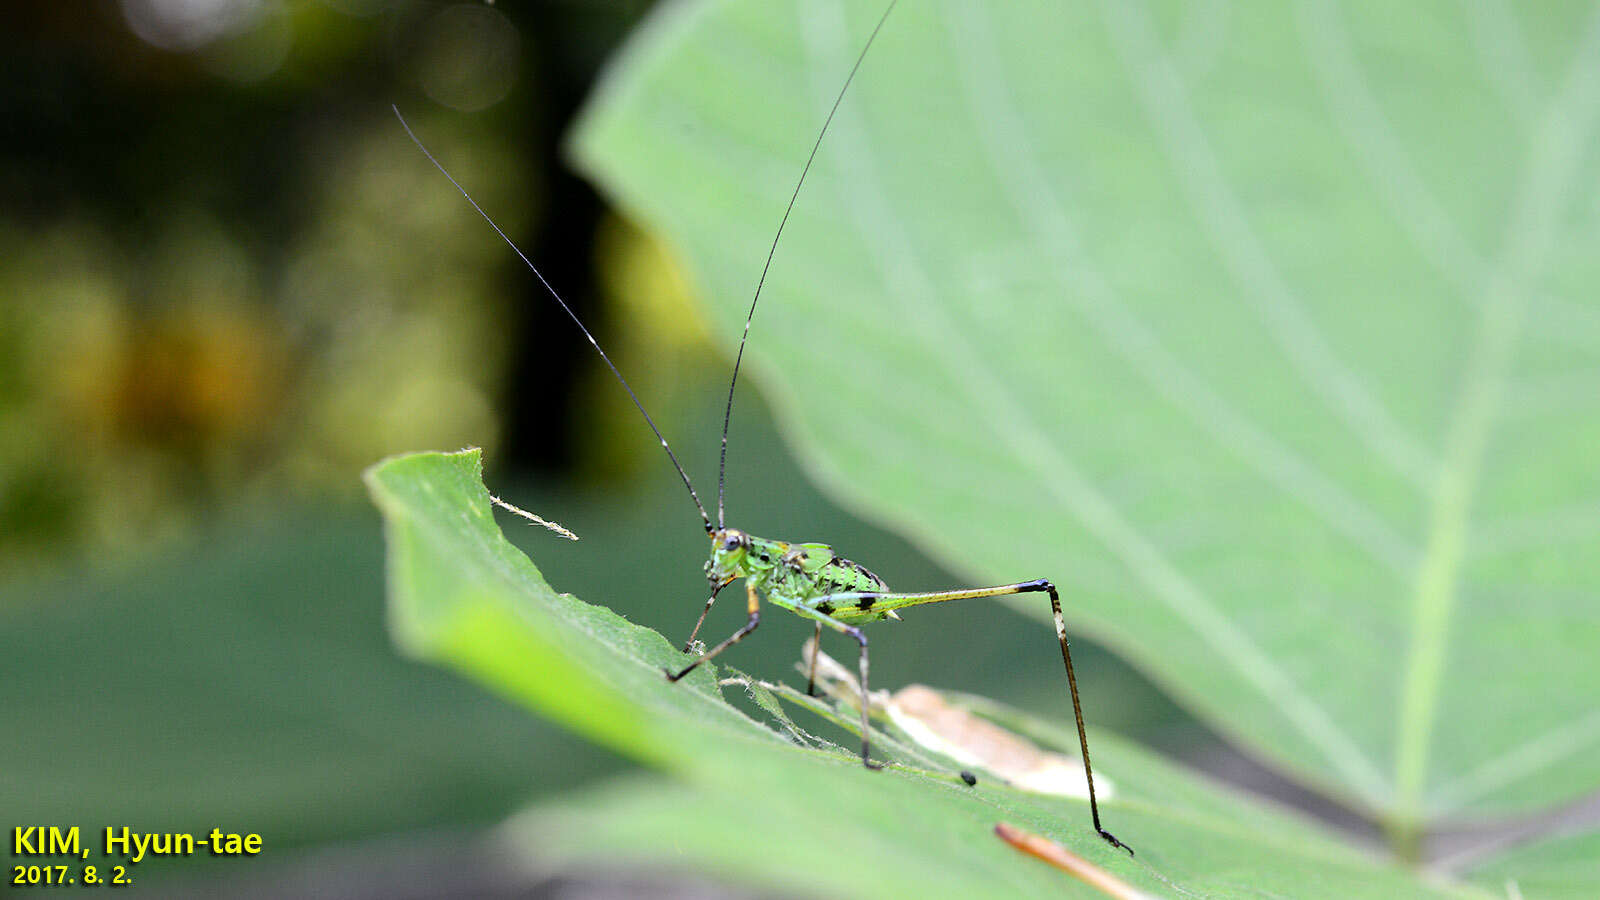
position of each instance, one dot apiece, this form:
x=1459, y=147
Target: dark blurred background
x=228, y=282
x=226, y=279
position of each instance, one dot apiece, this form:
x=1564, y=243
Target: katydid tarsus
x=808, y=579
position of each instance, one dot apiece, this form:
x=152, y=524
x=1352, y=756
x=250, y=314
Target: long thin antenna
x=570, y=314
x=727, y=414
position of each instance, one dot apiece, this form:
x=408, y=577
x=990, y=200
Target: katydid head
x=740, y=554
x=730, y=549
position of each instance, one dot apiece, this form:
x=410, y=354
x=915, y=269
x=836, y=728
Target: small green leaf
x=456, y=589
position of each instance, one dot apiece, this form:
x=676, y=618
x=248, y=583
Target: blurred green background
x=227, y=283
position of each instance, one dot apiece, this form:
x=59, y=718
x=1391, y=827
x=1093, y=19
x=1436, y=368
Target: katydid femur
x=808, y=579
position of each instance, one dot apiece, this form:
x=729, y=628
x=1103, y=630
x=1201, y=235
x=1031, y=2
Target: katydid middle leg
x=811, y=612
x=811, y=668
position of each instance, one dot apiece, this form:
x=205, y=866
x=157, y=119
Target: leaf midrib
x=1552, y=159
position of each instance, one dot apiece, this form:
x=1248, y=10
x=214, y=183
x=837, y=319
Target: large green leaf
x=1269, y=333
x=738, y=799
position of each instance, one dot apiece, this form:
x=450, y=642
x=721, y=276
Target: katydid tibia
x=808, y=579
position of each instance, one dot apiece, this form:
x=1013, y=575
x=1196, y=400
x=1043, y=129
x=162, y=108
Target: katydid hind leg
x=1077, y=709
x=890, y=601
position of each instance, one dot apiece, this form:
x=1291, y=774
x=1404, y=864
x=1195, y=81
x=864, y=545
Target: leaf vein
x=1220, y=211
x=906, y=280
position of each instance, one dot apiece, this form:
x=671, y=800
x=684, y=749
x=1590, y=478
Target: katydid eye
x=733, y=543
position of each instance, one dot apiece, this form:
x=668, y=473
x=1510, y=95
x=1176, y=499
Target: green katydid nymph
x=808, y=579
